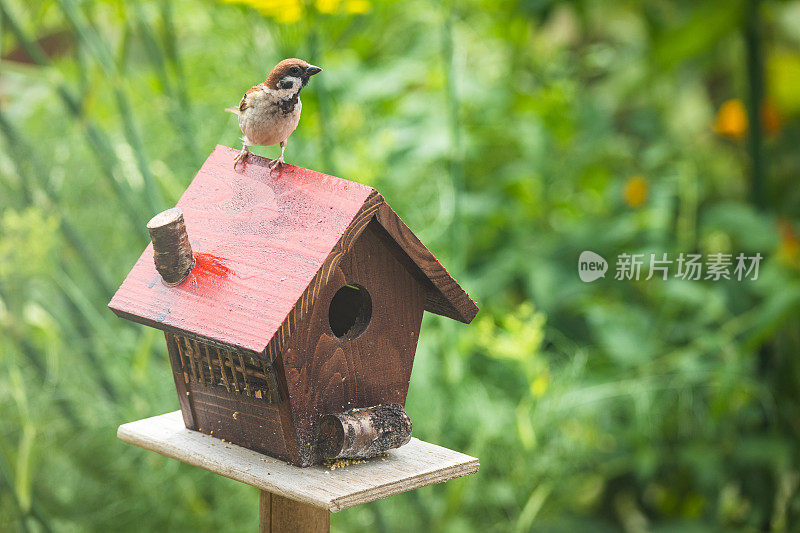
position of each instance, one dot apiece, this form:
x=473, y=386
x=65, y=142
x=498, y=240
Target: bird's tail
x=233, y=110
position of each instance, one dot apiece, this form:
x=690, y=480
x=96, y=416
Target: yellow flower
x=635, y=191
x=327, y=6
x=357, y=7
x=283, y=11
x=291, y=11
x=731, y=120
x=290, y=14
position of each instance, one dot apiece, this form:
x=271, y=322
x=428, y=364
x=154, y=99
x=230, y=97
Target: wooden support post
x=282, y=515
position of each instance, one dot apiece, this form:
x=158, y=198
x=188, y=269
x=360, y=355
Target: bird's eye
x=294, y=70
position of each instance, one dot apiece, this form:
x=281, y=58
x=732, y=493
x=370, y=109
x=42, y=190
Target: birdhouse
x=291, y=303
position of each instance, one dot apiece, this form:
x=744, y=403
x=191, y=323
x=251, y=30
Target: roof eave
x=167, y=328
x=445, y=296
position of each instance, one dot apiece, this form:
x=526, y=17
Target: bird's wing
x=243, y=103
x=242, y=106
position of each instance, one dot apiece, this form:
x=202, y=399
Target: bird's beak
x=311, y=70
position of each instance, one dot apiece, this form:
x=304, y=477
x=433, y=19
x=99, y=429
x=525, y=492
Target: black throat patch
x=288, y=105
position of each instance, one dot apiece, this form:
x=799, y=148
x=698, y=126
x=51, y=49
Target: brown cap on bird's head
x=291, y=68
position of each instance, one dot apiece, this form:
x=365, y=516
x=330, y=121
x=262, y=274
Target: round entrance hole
x=350, y=311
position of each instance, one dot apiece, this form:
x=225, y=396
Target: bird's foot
x=275, y=163
x=241, y=157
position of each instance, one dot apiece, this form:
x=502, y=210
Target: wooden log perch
x=363, y=433
x=172, y=251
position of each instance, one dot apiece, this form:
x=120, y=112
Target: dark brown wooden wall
x=325, y=374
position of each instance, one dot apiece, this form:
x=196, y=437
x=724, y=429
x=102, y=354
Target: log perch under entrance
x=363, y=433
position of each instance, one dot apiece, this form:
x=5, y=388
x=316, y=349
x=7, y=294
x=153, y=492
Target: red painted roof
x=258, y=241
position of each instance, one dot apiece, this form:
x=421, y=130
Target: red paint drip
x=207, y=266
x=208, y=273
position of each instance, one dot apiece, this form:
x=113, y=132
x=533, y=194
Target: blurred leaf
x=28, y=245
x=783, y=81
x=704, y=27
x=749, y=229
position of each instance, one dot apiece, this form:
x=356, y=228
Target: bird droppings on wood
x=333, y=464
x=342, y=463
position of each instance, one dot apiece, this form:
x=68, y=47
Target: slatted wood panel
x=229, y=395
x=218, y=367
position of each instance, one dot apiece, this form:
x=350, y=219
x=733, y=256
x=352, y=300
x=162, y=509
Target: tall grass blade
x=101, y=52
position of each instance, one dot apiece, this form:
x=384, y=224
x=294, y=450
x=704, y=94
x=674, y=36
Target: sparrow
x=269, y=112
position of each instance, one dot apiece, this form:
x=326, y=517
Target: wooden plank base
x=411, y=466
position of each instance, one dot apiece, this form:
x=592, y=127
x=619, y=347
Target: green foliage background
x=510, y=135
